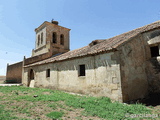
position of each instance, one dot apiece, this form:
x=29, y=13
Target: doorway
x=31, y=78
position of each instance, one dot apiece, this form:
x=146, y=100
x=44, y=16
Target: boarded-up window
x=62, y=39
x=154, y=51
x=82, y=70
x=48, y=73
x=54, y=37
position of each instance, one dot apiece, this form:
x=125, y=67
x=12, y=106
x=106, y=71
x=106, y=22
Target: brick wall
x=14, y=72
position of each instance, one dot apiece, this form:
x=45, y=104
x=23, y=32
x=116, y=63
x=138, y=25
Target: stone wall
x=57, y=47
x=140, y=72
x=153, y=63
x=14, y=72
x=102, y=76
x=133, y=69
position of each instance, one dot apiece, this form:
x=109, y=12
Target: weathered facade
x=102, y=76
x=124, y=68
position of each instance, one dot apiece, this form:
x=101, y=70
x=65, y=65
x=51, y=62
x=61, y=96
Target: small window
x=48, y=73
x=82, y=70
x=54, y=37
x=41, y=37
x=62, y=39
x=154, y=51
x=38, y=40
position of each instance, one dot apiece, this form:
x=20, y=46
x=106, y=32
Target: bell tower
x=51, y=38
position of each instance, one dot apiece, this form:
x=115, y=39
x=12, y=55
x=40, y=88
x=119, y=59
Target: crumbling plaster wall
x=102, y=76
x=133, y=69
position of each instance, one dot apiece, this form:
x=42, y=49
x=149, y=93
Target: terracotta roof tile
x=101, y=46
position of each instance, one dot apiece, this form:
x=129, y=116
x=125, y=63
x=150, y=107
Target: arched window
x=38, y=40
x=54, y=37
x=62, y=39
x=41, y=37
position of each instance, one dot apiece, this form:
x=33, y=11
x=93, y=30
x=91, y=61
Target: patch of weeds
x=10, y=89
x=61, y=105
x=104, y=108
x=78, y=118
x=52, y=105
x=55, y=115
x=25, y=110
x=101, y=107
x=150, y=106
x=69, y=109
x=5, y=115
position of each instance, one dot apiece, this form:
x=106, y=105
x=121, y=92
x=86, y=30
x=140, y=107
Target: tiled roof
x=106, y=45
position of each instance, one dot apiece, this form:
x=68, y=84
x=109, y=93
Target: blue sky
x=87, y=19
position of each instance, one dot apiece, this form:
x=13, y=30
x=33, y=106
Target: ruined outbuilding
x=124, y=68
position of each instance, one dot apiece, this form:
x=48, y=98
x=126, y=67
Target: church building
x=123, y=68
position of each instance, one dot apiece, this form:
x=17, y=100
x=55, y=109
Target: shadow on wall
x=154, y=80
x=153, y=71
x=156, y=64
x=151, y=100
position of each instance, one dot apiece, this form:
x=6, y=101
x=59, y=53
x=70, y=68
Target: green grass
x=21, y=100
x=5, y=115
x=55, y=115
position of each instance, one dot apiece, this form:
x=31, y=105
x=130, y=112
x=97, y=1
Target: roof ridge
x=107, y=45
